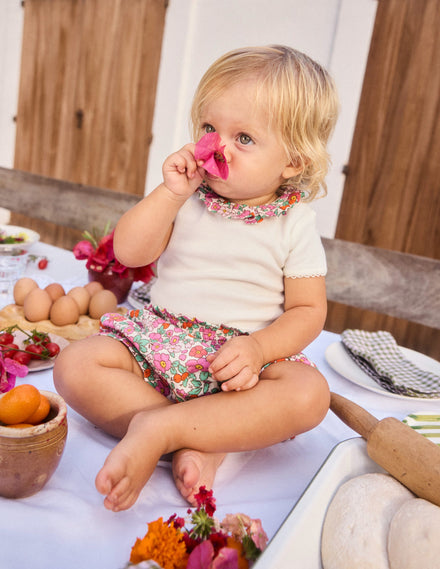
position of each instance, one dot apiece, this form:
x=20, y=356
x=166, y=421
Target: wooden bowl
x=29, y=457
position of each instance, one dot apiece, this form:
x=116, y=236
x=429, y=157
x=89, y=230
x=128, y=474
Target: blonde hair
x=300, y=97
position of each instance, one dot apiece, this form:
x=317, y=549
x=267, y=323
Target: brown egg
x=64, y=311
x=93, y=286
x=101, y=302
x=82, y=298
x=55, y=290
x=22, y=288
x=37, y=305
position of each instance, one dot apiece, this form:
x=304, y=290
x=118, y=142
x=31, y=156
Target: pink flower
x=155, y=336
x=162, y=362
x=258, y=534
x=197, y=351
x=9, y=369
x=194, y=366
x=227, y=558
x=82, y=250
x=201, y=556
x=209, y=150
x=240, y=525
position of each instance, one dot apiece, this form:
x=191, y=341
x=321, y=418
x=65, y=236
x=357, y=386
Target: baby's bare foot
x=128, y=467
x=192, y=469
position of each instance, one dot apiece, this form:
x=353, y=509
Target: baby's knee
x=307, y=390
x=316, y=395
x=67, y=369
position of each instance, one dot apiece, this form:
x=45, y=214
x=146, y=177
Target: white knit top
x=225, y=271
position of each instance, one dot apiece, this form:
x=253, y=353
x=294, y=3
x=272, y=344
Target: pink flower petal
x=258, y=534
x=209, y=150
x=7, y=382
x=201, y=556
x=227, y=558
x=15, y=368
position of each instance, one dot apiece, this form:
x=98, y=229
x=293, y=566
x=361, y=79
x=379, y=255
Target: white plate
x=29, y=235
x=298, y=541
x=341, y=362
x=140, y=296
x=427, y=423
x=40, y=365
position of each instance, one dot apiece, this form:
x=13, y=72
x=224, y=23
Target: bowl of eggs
x=30, y=453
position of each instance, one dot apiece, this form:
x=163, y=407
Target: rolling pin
x=405, y=454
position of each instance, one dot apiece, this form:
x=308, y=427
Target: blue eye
x=245, y=139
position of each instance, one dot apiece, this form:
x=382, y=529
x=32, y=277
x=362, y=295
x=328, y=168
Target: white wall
x=334, y=32
x=11, y=26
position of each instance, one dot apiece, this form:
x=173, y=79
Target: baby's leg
x=289, y=399
x=99, y=378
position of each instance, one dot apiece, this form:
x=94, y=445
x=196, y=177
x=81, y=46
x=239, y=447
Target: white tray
x=298, y=541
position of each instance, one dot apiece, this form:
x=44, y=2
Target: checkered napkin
x=378, y=354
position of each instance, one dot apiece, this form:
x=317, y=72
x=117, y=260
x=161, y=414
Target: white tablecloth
x=66, y=525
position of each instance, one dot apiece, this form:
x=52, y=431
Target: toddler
x=215, y=364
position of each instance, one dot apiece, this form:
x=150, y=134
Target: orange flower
x=162, y=543
x=178, y=378
x=233, y=543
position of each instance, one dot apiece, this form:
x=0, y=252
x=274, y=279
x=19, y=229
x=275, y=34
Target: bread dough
x=355, y=529
x=414, y=536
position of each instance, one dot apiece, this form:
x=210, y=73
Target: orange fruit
x=20, y=426
x=42, y=411
x=19, y=403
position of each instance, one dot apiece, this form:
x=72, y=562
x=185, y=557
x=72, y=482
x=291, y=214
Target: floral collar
x=247, y=213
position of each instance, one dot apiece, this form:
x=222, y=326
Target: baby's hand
x=237, y=363
x=182, y=174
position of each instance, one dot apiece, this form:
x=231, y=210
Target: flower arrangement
x=234, y=543
x=98, y=250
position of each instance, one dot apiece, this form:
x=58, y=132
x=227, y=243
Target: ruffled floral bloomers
x=171, y=350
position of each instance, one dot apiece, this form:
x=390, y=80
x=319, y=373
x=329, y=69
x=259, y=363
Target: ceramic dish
x=40, y=365
x=341, y=362
x=29, y=238
x=298, y=541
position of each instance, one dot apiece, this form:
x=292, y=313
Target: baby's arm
x=238, y=362
x=143, y=232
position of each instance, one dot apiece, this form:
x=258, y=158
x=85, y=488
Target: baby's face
x=257, y=160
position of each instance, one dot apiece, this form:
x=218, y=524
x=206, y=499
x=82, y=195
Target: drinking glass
x=12, y=266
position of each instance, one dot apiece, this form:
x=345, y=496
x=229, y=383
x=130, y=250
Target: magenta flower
x=205, y=498
x=100, y=255
x=201, y=557
x=82, y=250
x=209, y=150
x=9, y=369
